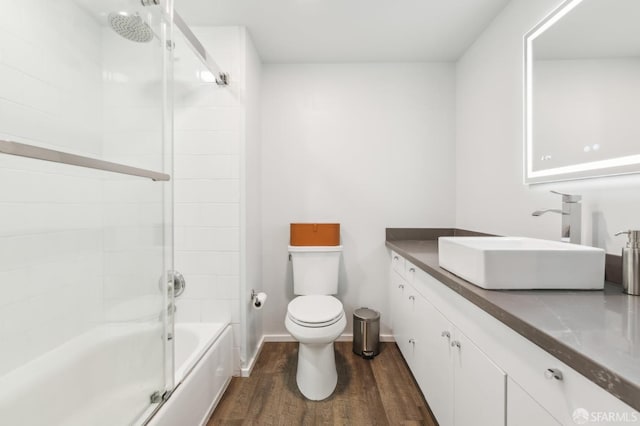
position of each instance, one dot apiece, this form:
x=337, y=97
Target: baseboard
x=246, y=371
x=345, y=337
x=279, y=338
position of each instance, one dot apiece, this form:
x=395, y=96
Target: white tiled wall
x=50, y=215
x=207, y=192
x=132, y=128
x=50, y=75
x=217, y=197
x=74, y=243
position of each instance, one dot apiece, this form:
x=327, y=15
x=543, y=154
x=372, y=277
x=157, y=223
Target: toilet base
x=317, y=376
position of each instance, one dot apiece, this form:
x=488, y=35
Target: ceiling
x=326, y=31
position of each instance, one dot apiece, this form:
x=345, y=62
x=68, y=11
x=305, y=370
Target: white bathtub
x=191, y=342
x=204, y=365
x=88, y=380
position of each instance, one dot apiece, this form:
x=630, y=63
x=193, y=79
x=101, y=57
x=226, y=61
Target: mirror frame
x=610, y=167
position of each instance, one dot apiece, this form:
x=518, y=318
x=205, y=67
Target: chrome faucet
x=571, y=217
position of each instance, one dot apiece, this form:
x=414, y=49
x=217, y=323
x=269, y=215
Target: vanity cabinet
x=461, y=384
x=495, y=375
x=523, y=410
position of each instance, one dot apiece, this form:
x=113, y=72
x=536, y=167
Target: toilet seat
x=315, y=311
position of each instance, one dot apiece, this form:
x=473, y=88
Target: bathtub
x=204, y=365
x=29, y=395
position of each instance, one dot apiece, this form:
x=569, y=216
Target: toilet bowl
x=316, y=321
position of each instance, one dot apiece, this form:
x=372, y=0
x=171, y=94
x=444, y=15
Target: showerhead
x=131, y=27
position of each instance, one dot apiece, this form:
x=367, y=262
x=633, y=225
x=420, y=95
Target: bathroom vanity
x=486, y=357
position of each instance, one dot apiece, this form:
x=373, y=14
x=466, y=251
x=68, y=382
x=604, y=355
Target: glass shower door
x=137, y=117
x=85, y=213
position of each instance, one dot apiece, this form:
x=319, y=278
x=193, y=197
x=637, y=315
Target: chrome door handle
x=456, y=344
x=412, y=298
x=446, y=334
x=177, y=282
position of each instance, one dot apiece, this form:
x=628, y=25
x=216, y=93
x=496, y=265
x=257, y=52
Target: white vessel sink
x=519, y=263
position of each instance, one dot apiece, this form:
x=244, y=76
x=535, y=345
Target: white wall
x=50, y=215
x=217, y=199
x=207, y=140
x=251, y=207
x=367, y=145
x=489, y=190
x=132, y=132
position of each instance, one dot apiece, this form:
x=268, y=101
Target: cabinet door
x=479, y=386
x=399, y=315
x=397, y=263
x=409, y=328
x=433, y=362
x=396, y=291
x=523, y=410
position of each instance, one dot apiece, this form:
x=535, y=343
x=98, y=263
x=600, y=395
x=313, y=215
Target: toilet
x=315, y=318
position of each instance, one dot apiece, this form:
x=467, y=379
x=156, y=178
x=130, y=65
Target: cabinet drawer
x=561, y=390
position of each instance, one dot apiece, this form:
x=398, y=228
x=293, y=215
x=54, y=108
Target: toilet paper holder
x=258, y=299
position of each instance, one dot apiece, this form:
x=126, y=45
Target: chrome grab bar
x=45, y=154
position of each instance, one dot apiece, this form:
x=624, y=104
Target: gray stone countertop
x=597, y=333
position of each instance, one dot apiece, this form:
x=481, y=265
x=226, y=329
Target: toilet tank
x=315, y=269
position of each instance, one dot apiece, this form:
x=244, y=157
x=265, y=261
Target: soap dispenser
x=631, y=263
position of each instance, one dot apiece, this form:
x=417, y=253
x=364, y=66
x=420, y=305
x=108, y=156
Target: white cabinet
x=479, y=386
x=404, y=328
x=399, y=316
x=461, y=385
x=468, y=384
x=523, y=410
x=434, y=370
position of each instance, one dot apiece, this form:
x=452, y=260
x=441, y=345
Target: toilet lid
x=315, y=310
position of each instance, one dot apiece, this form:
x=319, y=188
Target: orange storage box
x=315, y=234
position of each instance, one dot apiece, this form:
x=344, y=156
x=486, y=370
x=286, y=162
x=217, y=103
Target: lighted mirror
x=582, y=92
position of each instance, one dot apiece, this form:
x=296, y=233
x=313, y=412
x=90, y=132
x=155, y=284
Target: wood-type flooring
x=380, y=391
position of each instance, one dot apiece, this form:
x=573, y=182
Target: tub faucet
x=571, y=217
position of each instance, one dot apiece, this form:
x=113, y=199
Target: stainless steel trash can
x=366, y=332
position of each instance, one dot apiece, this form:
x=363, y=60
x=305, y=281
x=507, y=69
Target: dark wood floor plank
x=401, y=402
x=369, y=392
